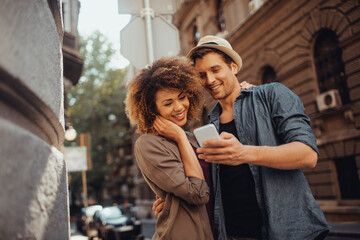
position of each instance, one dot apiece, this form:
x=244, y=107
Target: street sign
x=75, y=158
x=133, y=40
x=134, y=6
x=166, y=38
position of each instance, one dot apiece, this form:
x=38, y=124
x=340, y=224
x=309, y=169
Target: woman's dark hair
x=177, y=73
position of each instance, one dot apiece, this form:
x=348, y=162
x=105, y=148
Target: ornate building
x=73, y=64
x=312, y=47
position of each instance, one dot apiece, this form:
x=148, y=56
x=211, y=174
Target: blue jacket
x=271, y=115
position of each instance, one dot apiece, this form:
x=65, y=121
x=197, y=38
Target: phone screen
x=206, y=132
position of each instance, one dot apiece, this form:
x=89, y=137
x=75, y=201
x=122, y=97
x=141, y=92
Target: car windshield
x=92, y=209
x=111, y=212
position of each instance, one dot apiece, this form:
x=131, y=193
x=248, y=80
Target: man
x=260, y=190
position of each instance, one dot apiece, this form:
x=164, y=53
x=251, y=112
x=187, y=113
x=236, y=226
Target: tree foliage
x=96, y=106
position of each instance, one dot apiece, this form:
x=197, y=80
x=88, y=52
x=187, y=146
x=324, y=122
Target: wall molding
x=23, y=100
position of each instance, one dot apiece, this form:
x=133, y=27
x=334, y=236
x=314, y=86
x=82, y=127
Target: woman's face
x=172, y=105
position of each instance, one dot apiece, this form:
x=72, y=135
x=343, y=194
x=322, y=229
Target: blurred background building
x=312, y=47
x=73, y=63
x=33, y=46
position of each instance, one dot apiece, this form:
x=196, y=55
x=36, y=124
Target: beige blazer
x=184, y=213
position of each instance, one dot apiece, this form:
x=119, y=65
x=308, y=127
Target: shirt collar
x=216, y=110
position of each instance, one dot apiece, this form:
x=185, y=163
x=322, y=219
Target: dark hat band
x=209, y=43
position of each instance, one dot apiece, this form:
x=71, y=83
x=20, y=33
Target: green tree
x=96, y=106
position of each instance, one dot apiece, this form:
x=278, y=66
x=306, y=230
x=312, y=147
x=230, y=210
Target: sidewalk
x=148, y=230
x=344, y=231
x=75, y=235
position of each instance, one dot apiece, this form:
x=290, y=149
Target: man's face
x=218, y=78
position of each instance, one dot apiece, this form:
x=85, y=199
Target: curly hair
x=176, y=73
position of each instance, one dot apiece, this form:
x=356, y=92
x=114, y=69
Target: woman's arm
x=164, y=170
x=170, y=130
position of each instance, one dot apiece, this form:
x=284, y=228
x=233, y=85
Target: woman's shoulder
x=148, y=137
x=152, y=138
x=148, y=140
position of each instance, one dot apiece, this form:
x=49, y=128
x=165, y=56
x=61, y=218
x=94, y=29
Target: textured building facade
x=73, y=63
x=312, y=47
x=33, y=176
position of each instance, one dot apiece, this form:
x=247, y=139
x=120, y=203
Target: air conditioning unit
x=328, y=99
x=254, y=5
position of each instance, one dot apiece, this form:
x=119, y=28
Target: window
x=348, y=177
x=220, y=15
x=329, y=65
x=66, y=11
x=196, y=35
x=268, y=74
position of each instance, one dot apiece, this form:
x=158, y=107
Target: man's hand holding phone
x=205, y=133
x=222, y=149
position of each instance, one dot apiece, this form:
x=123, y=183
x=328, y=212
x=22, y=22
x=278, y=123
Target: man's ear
x=234, y=68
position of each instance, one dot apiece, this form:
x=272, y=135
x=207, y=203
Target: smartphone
x=206, y=132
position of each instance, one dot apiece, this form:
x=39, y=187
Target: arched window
x=268, y=74
x=196, y=35
x=329, y=65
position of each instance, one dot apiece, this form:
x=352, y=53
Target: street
x=147, y=230
x=75, y=235
x=344, y=231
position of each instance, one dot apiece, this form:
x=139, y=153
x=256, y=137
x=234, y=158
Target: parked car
x=86, y=217
x=130, y=211
x=112, y=224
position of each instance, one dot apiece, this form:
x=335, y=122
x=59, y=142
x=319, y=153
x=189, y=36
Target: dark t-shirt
x=242, y=214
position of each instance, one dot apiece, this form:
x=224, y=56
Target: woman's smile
x=172, y=105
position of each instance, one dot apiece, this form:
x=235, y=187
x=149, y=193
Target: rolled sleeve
x=161, y=164
x=288, y=115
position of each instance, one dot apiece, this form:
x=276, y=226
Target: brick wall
x=281, y=34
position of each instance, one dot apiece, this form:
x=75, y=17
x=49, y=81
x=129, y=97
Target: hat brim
x=231, y=53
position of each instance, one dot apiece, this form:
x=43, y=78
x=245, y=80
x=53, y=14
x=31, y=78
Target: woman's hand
x=246, y=85
x=172, y=131
x=158, y=206
x=168, y=129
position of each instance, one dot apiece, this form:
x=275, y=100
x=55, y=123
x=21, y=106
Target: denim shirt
x=271, y=115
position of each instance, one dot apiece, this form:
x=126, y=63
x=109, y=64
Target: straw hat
x=219, y=44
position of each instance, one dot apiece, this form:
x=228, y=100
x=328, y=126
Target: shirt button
x=217, y=166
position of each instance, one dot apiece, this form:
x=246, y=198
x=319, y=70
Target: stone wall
x=33, y=177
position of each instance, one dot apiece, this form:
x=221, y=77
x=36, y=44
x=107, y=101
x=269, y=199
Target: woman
x=160, y=100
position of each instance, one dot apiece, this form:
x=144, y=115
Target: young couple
x=248, y=187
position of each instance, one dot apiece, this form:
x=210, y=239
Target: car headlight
x=126, y=228
x=137, y=222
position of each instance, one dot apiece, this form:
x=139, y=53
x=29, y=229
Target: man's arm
x=230, y=151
